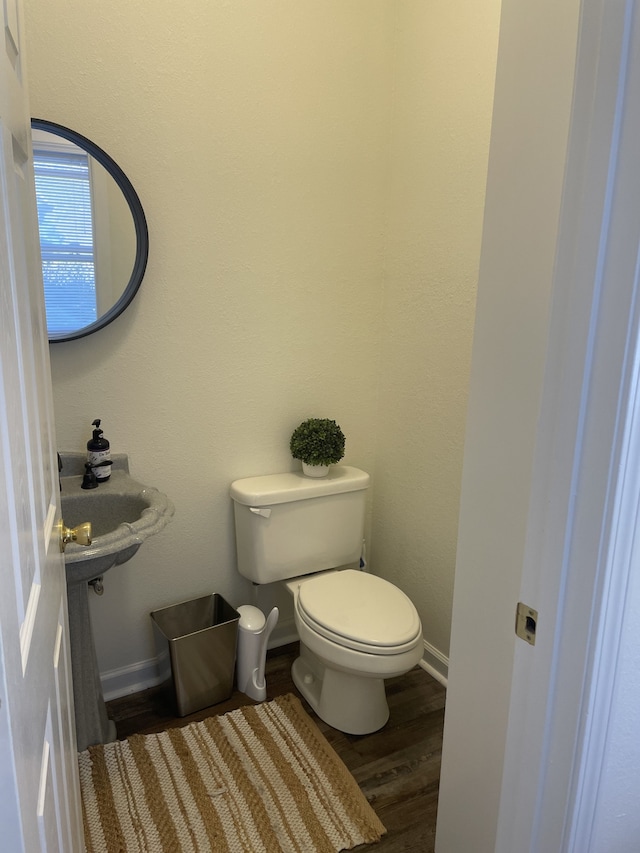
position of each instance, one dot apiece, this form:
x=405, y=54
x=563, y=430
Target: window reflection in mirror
x=93, y=235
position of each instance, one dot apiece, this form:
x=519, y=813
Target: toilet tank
x=290, y=524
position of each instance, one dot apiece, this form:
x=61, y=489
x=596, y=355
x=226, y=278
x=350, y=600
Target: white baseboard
x=284, y=633
x=435, y=663
x=129, y=679
x=143, y=674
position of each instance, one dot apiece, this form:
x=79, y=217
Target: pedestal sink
x=123, y=513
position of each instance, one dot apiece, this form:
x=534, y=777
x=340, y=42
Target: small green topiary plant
x=317, y=441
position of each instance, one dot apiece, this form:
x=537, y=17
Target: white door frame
x=540, y=714
x=585, y=487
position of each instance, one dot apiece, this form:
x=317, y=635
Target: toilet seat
x=359, y=611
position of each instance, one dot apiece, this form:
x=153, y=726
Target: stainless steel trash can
x=196, y=643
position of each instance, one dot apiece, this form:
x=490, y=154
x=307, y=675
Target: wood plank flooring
x=397, y=768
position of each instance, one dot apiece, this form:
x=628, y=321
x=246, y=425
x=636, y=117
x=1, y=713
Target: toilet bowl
x=355, y=630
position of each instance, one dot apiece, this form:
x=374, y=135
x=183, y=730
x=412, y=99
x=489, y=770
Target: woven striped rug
x=262, y=778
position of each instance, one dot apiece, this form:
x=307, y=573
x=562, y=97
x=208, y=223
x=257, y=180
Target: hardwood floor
x=397, y=768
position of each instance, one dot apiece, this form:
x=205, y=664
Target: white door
x=39, y=800
x=550, y=489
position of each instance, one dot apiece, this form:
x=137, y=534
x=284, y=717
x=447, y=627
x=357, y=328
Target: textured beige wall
x=444, y=70
x=259, y=136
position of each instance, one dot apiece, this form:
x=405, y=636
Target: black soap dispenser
x=99, y=454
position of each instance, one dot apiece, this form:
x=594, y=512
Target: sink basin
x=106, y=511
x=122, y=511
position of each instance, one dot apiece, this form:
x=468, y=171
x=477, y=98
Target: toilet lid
x=359, y=610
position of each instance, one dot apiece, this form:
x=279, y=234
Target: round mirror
x=93, y=232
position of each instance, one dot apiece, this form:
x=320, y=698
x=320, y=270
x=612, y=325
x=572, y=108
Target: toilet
x=355, y=629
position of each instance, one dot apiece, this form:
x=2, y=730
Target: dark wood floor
x=397, y=768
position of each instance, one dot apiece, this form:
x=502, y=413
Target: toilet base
x=350, y=703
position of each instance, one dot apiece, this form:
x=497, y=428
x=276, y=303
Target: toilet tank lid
x=295, y=486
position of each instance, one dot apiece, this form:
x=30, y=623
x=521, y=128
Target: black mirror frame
x=139, y=221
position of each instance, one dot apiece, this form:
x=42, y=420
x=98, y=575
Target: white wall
x=444, y=70
x=274, y=176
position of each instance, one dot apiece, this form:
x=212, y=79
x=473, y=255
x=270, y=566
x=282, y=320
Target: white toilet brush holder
x=253, y=633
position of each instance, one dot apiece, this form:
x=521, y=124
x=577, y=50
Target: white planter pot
x=315, y=470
